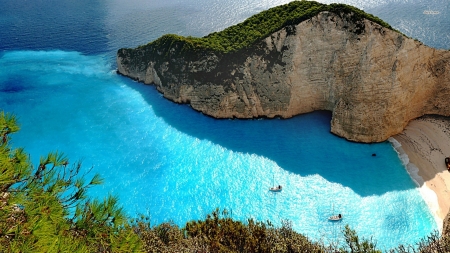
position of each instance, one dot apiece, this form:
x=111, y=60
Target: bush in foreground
x=45, y=208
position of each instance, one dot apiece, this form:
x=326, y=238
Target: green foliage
x=357, y=14
x=166, y=237
x=258, y=26
x=8, y=125
x=36, y=204
x=432, y=243
x=220, y=233
x=356, y=245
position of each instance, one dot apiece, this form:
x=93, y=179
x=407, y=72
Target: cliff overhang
x=326, y=57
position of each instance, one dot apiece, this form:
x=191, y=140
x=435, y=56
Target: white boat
x=335, y=217
x=276, y=188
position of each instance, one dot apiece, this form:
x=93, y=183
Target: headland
x=318, y=57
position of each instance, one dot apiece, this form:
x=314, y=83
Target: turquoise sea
x=57, y=74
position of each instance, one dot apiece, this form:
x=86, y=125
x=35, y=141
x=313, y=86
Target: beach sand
x=423, y=146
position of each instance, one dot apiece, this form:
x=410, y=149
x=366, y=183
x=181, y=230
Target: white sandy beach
x=426, y=142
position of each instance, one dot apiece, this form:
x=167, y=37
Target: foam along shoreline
x=427, y=194
x=422, y=147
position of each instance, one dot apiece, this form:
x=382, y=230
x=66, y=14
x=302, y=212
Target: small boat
x=447, y=163
x=335, y=217
x=276, y=188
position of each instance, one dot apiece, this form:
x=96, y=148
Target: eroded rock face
x=446, y=226
x=374, y=80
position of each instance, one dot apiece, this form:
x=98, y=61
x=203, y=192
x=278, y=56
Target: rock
x=373, y=79
x=446, y=226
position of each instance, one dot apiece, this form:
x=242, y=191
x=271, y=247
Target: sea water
x=57, y=74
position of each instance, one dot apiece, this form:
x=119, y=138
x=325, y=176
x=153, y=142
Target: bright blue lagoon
x=173, y=163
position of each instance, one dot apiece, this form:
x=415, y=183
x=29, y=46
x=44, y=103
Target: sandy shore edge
x=422, y=147
x=427, y=194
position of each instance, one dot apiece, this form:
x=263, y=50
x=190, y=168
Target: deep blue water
x=57, y=74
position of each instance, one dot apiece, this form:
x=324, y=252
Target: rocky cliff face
x=373, y=79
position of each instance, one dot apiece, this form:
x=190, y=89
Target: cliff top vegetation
x=260, y=26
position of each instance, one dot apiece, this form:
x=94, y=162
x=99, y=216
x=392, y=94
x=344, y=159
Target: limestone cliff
x=374, y=80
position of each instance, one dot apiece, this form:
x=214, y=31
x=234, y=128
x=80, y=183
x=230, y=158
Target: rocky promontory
x=373, y=78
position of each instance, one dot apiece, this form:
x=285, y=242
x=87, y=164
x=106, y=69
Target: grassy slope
x=259, y=26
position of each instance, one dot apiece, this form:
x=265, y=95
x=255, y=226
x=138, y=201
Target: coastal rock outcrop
x=446, y=226
x=373, y=79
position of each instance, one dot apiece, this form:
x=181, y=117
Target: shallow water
x=168, y=161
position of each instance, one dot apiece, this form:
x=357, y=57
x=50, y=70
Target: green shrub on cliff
x=260, y=26
x=220, y=233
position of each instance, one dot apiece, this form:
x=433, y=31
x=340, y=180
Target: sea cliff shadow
x=302, y=145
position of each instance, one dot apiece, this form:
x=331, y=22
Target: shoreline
x=422, y=148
